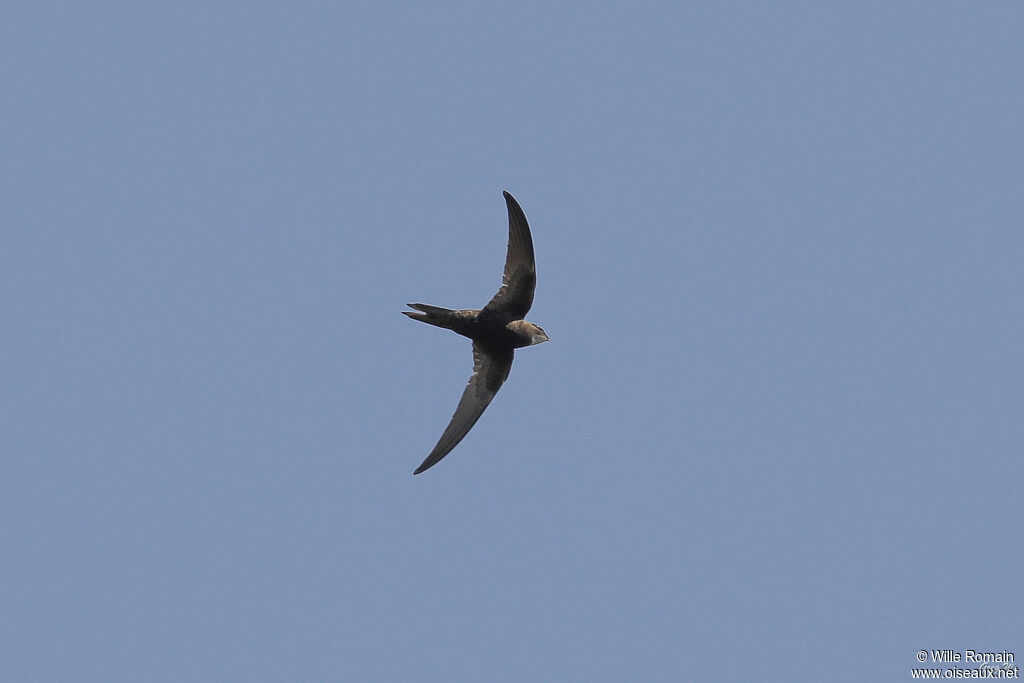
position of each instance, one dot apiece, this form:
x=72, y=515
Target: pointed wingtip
x=431, y=460
x=512, y=204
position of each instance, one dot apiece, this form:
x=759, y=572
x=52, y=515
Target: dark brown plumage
x=497, y=330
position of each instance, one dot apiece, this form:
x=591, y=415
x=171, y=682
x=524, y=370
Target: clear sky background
x=777, y=432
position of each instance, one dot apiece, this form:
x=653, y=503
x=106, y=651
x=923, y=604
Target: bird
x=497, y=330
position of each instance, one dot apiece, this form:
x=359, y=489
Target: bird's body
x=497, y=330
x=479, y=324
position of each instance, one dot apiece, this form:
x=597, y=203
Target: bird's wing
x=516, y=294
x=490, y=369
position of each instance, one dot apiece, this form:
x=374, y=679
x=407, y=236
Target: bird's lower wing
x=490, y=369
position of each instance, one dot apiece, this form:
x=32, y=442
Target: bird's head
x=537, y=335
x=527, y=334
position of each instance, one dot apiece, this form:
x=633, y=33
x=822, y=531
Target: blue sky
x=776, y=435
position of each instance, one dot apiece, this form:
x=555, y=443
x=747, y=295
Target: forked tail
x=433, y=315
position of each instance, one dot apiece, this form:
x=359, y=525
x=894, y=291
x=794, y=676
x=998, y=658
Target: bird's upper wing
x=516, y=294
x=490, y=369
